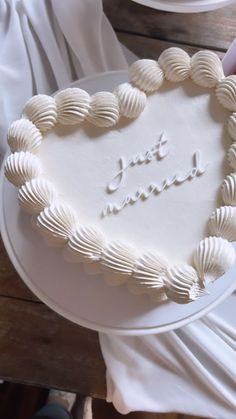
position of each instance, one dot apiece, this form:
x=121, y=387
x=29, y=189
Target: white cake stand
x=185, y=6
x=83, y=299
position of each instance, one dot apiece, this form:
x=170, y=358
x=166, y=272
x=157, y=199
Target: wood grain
x=151, y=48
x=37, y=346
x=11, y=284
x=214, y=30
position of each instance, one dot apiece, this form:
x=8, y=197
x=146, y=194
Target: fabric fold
x=191, y=370
x=45, y=45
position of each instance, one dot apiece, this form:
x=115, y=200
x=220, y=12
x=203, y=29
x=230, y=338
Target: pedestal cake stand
x=88, y=300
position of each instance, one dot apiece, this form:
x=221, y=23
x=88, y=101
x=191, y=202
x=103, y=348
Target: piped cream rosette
x=148, y=273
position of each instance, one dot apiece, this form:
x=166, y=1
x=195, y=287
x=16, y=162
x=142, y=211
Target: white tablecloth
x=190, y=370
x=44, y=46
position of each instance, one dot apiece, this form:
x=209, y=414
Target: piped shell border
x=146, y=273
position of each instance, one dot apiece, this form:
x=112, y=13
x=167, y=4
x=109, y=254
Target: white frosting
x=86, y=244
x=158, y=150
x=36, y=194
x=226, y=93
x=119, y=257
x=73, y=105
x=135, y=288
x=232, y=126
x=149, y=269
x=231, y=155
x=147, y=276
x=198, y=169
x=114, y=279
x=228, y=189
x=94, y=268
x=104, y=109
x=175, y=63
x=206, y=69
x=41, y=110
x=132, y=101
x=213, y=257
x=24, y=136
x=182, y=284
x=156, y=294
x=57, y=223
x=223, y=223
x=146, y=74
x=175, y=140
x=154, y=223
x=21, y=167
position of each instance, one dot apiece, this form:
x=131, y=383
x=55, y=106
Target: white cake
x=136, y=183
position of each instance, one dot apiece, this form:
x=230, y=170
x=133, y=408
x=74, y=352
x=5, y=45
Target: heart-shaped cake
x=136, y=182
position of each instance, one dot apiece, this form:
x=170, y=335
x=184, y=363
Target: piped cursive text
x=197, y=169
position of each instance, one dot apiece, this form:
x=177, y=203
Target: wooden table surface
x=37, y=346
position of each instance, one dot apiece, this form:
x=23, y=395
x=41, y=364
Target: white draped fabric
x=191, y=370
x=44, y=46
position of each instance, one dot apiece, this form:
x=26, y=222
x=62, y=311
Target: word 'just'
x=158, y=150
